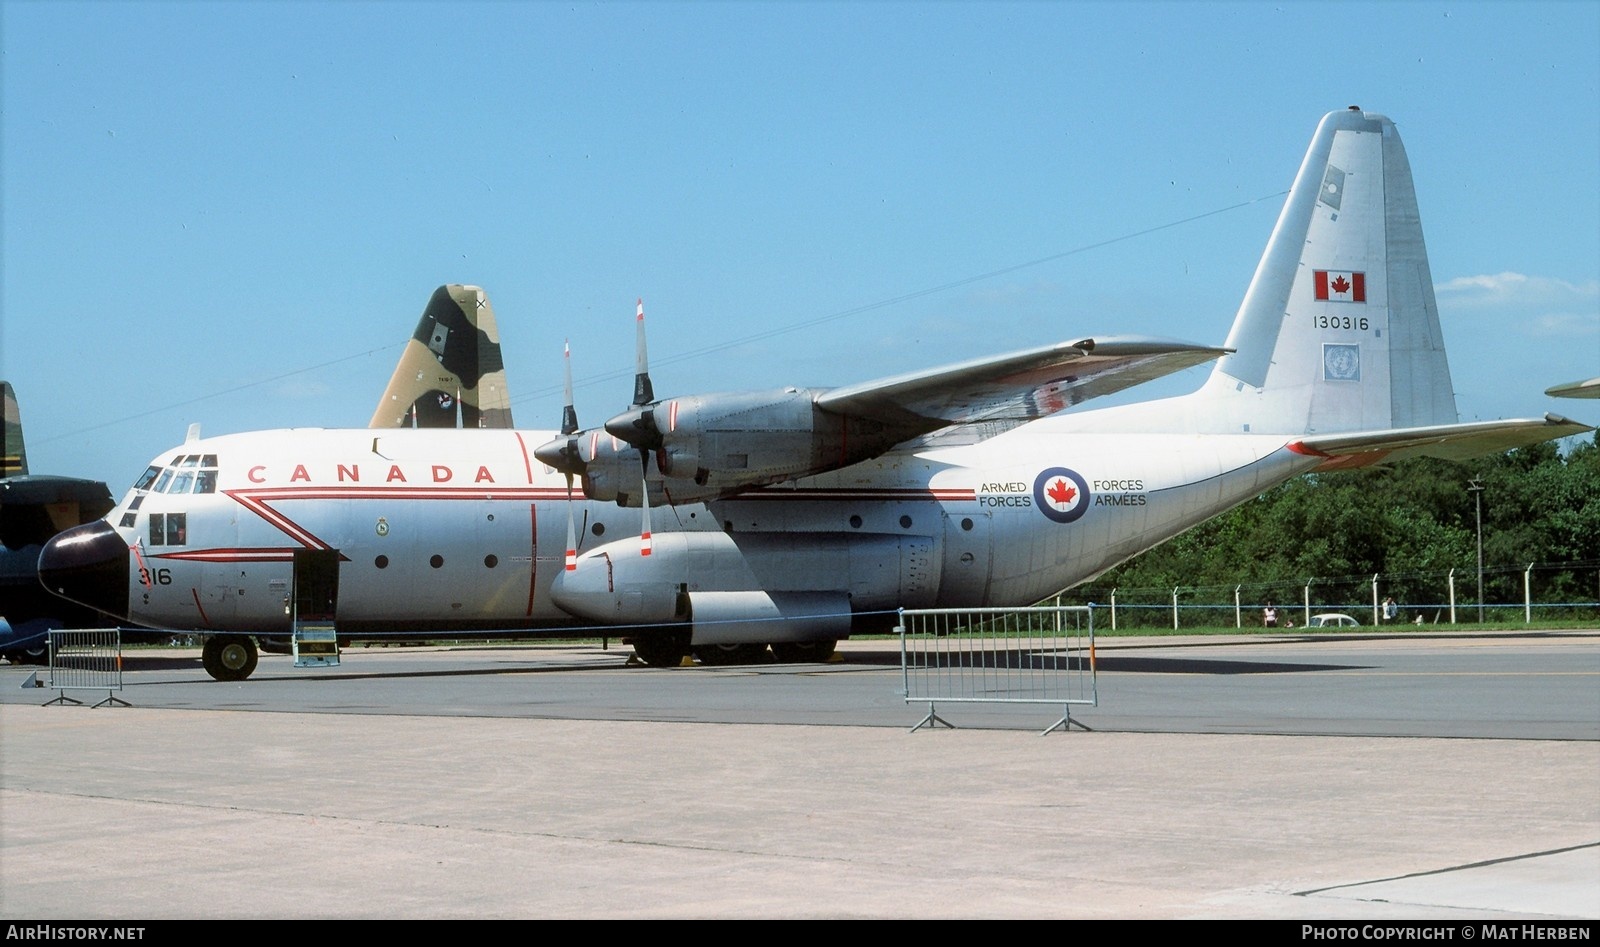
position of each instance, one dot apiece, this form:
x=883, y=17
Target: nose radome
x=88, y=564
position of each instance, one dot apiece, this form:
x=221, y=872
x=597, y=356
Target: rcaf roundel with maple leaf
x=1061, y=494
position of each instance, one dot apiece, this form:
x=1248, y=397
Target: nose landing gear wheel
x=229, y=657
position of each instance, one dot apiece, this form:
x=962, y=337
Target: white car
x=1332, y=620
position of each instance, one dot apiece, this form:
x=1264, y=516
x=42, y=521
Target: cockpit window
x=191, y=473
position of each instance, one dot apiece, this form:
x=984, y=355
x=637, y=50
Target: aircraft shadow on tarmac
x=1021, y=658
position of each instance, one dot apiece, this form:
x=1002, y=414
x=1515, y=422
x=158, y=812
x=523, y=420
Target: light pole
x=1475, y=487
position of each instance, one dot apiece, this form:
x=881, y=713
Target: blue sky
x=233, y=213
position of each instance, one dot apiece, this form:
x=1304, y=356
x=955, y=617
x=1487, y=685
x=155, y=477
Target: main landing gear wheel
x=662, y=649
x=719, y=655
x=229, y=657
x=32, y=654
x=802, y=652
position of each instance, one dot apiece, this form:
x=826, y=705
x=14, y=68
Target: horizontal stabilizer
x=1575, y=389
x=1444, y=441
x=1019, y=386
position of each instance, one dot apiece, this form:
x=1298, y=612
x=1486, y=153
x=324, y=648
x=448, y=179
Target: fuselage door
x=316, y=584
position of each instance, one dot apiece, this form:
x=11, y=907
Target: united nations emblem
x=1341, y=362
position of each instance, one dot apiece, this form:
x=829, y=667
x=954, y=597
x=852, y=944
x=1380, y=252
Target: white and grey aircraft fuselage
x=722, y=524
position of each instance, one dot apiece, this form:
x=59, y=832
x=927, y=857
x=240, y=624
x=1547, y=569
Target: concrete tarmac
x=123, y=814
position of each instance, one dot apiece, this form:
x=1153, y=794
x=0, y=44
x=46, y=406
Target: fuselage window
x=147, y=478
x=491, y=561
x=436, y=561
x=130, y=518
x=182, y=482
x=169, y=529
x=205, y=481
x=162, y=481
x=381, y=562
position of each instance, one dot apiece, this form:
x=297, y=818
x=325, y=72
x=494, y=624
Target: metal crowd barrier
x=1041, y=655
x=86, y=659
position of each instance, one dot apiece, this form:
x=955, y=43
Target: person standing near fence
x=1269, y=615
x=1391, y=611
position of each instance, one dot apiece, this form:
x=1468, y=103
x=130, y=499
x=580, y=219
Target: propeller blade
x=572, y=532
x=637, y=425
x=643, y=391
x=569, y=413
x=646, y=545
x=564, y=453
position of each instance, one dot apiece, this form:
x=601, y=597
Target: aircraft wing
x=1445, y=441
x=1019, y=386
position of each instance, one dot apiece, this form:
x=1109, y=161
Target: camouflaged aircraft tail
x=451, y=373
x=14, y=463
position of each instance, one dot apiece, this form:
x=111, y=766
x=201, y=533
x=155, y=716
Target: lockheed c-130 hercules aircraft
x=722, y=524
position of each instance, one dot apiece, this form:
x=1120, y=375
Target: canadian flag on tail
x=1341, y=286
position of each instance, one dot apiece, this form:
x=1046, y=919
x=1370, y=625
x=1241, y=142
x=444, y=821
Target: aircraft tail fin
x=451, y=368
x=14, y=462
x=1339, y=330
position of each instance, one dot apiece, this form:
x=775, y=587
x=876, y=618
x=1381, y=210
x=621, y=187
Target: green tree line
x=1412, y=522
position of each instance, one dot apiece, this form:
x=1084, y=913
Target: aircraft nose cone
x=88, y=564
x=560, y=454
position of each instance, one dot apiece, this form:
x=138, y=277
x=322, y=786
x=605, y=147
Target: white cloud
x=1519, y=292
x=1539, y=305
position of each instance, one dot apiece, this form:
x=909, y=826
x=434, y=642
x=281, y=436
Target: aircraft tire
x=35, y=654
x=719, y=655
x=229, y=657
x=803, y=652
x=662, y=649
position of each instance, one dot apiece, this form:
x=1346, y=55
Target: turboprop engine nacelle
x=708, y=446
x=751, y=586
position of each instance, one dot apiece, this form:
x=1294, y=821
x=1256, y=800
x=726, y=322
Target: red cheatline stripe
x=951, y=494
x=527, y=463
x=198, y=607
x=229, y=555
